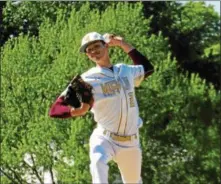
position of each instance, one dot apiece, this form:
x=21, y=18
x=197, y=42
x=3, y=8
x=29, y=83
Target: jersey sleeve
x=137, y=72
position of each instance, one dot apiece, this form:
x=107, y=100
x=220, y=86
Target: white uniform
x=116, y=112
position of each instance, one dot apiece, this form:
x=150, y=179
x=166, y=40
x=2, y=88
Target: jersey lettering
x=131, y=99
x=115, y=90
x=111, y=88
x=126, y=83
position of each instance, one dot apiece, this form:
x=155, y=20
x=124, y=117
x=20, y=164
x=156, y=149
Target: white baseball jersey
x=115, y=106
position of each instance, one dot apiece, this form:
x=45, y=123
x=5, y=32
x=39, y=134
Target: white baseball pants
x=127, y=155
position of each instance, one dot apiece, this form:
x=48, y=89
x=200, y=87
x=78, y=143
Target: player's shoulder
x=90, y=74
x=119, y=65
x=123, y=66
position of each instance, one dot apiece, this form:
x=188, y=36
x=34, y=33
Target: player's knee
x=98, y=162
x=98, y=158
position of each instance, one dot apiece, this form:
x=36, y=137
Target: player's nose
x=93, y=51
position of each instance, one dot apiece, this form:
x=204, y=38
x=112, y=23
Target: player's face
x=97, y=51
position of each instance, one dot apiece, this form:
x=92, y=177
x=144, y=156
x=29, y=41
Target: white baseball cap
x=89, y=38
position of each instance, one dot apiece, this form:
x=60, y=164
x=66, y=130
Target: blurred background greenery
x=180, y=103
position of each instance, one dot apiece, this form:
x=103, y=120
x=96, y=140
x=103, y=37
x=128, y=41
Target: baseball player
x=114, y=106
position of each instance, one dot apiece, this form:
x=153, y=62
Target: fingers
x=117, y=37
x=109, y=37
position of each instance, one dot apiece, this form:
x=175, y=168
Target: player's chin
x=98, y=61
x=96, y=57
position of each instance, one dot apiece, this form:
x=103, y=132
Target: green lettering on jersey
x=111, y=87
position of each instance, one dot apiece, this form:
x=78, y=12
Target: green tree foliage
x=213, y=53
x=181, y=128
x=191, y=28
x=180, y=138
x=19, y=19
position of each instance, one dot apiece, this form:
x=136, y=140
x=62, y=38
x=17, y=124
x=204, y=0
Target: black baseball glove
x=78, y=91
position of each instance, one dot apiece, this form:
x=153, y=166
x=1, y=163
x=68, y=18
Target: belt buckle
x=121, y=138
x=105, y=132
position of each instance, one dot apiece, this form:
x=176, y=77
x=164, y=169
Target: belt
x=120, y=137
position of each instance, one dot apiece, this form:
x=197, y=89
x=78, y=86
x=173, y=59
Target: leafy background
x=179, y=103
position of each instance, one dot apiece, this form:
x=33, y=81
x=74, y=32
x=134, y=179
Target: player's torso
x=115, y=106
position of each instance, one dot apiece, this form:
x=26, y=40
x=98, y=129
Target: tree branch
x=52, y=175
x=9, y=177
x=35, y=170
x=16, y=175
x=52, y=162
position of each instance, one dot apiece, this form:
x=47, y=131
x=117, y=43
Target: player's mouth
x=96, y=55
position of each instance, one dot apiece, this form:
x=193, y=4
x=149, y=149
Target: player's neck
x=104, y=63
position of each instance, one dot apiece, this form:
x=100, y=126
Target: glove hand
x=71, y=98
x=83, y=89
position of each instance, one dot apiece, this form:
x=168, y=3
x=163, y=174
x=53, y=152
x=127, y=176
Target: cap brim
x=83, y=47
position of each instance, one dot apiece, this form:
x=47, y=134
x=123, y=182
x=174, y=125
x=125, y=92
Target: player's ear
x=106, y=45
